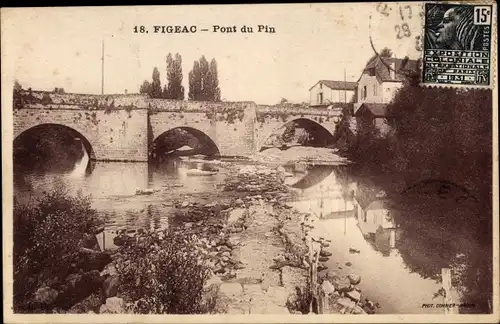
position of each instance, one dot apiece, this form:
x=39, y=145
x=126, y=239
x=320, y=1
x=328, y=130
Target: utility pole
x=345, y=88
x=344, y=109
x=102, y=69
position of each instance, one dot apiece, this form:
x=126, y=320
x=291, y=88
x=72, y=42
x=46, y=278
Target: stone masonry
x=121, y=127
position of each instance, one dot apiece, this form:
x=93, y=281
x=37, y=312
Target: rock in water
x=114, y=305
x=354, y=295
x=354, y=278
x=324, y=253
x=327, y=287
x=322, y=267
x=341, y=284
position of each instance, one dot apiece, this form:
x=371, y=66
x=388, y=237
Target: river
x=361, y=243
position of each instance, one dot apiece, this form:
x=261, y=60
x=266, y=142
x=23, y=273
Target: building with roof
x=328, y=92
x=376, y=87
x=375, y=214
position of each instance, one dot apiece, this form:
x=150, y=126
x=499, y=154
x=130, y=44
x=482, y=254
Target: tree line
x=203, y=81
x=445, y=135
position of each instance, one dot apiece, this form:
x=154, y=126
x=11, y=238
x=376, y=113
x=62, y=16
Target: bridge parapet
x=168, y=105
x=72, y=101
x=46, y=99
x=296, y=111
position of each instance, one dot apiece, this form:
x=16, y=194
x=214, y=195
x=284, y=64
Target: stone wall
x=117, y=126
x=269, y=119
x=114, y=136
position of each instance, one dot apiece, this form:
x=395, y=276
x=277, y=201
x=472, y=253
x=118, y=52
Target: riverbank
x=247, y=252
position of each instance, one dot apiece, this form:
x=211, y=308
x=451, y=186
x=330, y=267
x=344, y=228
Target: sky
x=45, y=48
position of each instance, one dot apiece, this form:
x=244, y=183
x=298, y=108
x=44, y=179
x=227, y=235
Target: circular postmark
x=396, y=37
x=397, y=27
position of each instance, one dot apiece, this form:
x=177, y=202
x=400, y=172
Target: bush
x=163, y=273
x=47, y=236
x=441, y=134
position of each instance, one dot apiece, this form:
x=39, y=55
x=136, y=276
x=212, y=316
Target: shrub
x=47, y=236
x=163, y=273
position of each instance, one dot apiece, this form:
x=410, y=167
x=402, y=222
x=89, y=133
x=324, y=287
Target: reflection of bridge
x=123, y=127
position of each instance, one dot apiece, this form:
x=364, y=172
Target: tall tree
x=213, y=90
x=385, y=52
x=174, y=89
x=155, y=90
x=17, y=86
x=195, y=82
x=179, y=88
x=168, y=87
x=204, y=81
x=205, y=87
x=145, y=87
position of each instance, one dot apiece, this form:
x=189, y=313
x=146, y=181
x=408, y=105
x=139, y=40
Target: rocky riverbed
x=251, y=245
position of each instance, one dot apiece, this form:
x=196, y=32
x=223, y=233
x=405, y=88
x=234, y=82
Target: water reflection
x=361, y=222
x=355, y=214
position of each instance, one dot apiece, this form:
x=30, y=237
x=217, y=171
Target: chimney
x=126, y=91
x=393, y=70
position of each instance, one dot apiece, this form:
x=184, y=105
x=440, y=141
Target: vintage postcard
x=302, y=163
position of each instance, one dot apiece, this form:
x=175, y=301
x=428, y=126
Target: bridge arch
x=321, y=133
x=73, y=132
x=183, y=136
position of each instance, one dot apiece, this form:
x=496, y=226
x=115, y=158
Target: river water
x=361, y=243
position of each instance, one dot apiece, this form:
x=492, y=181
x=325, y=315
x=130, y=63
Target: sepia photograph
x=250, y=163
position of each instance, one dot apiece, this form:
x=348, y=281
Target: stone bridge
x=122, y=127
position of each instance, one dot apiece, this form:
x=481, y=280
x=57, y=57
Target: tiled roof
x=384, y=74
x=376, y=109
x=338, y=85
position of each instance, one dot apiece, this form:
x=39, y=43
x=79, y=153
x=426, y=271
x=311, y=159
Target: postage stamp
x=458, y=45
x=261, y=163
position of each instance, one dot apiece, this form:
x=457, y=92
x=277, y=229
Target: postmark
x=458, y=45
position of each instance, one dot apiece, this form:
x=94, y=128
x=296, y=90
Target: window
x=374, y=90
x=365, y=92
x=342, y=96
x=320, y=97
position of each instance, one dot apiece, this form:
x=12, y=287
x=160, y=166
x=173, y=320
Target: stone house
x=376, y=87
x=327, y=92
x=375, y=214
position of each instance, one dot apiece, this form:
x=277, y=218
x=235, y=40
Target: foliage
x=289, y=132
x=145, y=87
x=47, y=235
x=152, y=89
x=47, y=146
x=204, y=81
x=46, y=99
x=195, y=82
x=440, y=134
x=17, y=85
x=214, y=93
x=162, y=273
x=155, y=90
x=385, y=52
x=174, y=90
